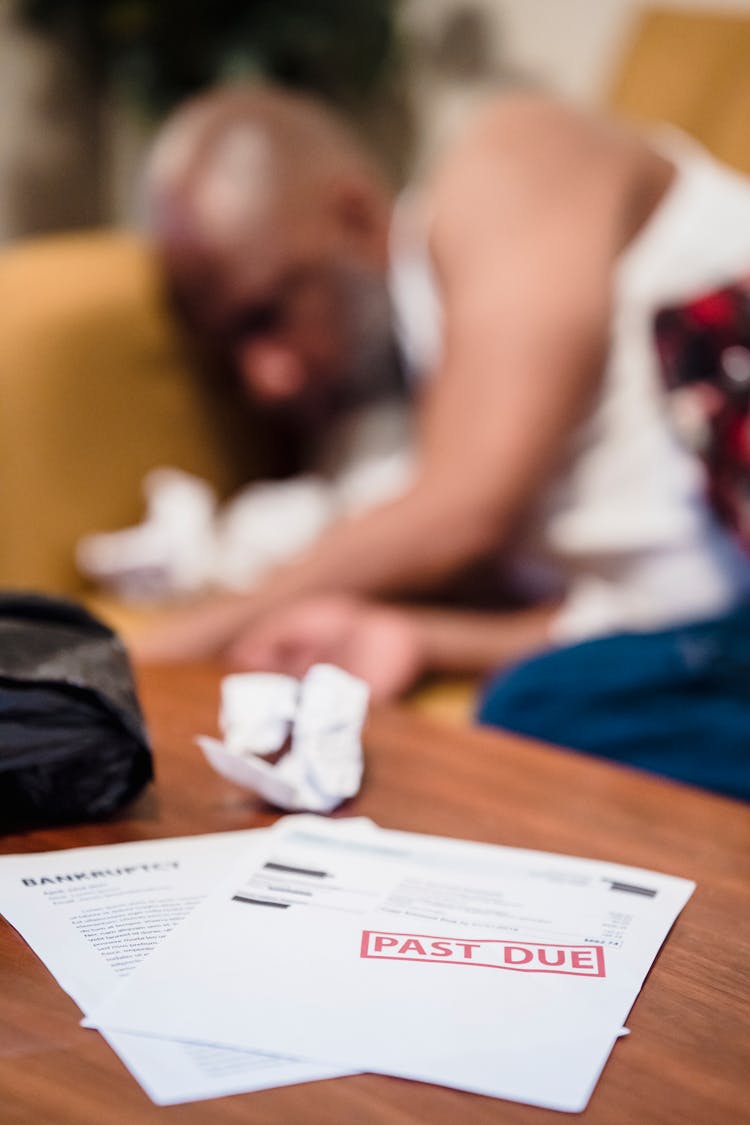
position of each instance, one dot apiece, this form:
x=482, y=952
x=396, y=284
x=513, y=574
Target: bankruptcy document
x=496, y=970
x=93, y=914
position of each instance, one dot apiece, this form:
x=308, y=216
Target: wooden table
x=687, y=1060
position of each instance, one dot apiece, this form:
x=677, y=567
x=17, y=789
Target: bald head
x=237, y=160
x=256, y=197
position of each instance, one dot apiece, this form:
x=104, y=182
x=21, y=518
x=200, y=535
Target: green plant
x=159, y=51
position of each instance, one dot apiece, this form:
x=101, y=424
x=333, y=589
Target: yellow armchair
x=690, y=67
x=95, y=389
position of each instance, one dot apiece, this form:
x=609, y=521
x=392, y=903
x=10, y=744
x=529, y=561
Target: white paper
x=325, y=713
x=92, y=914
x=309, y=976
x=257, y=711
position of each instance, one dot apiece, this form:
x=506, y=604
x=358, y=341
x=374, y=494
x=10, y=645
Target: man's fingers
x=282, y=652
x=248, y=655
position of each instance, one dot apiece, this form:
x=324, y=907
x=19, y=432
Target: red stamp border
x=598, y=951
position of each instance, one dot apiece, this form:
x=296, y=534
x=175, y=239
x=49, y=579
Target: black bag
x=73, y=744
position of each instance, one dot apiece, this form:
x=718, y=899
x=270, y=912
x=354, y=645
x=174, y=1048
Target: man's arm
x=524, y=238
x=470, y=643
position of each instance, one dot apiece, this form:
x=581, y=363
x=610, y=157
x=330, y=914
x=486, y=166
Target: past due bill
x=501, y=971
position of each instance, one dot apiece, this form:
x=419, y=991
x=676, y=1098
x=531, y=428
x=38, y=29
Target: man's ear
x=361, y=214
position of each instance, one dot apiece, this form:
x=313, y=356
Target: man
x=525, y=272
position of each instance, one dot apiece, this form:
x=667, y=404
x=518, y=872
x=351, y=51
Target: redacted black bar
x=295, y=870
x=632, y=889
x=260, y=902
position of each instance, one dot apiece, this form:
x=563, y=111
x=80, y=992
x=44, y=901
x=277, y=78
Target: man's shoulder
x=525, y=157
x=516, y=131
x=518, y=114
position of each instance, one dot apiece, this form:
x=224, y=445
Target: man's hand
x=378, y=643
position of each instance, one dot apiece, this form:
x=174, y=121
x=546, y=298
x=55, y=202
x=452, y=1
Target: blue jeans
x=676, y=702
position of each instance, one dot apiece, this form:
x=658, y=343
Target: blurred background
x=83, y=83
x=96, y=385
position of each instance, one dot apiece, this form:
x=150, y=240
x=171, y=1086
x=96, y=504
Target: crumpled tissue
x=189, y=542
x=324, y=713
x=170, y=553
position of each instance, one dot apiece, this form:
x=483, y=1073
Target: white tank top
x=626, y=523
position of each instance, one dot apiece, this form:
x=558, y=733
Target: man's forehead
x=222, y=280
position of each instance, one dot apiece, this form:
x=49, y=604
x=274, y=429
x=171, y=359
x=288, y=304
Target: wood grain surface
x=687, y=1060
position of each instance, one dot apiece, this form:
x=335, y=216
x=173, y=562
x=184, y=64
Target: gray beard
x=375, y=370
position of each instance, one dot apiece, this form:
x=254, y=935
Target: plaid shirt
x=704, y=349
